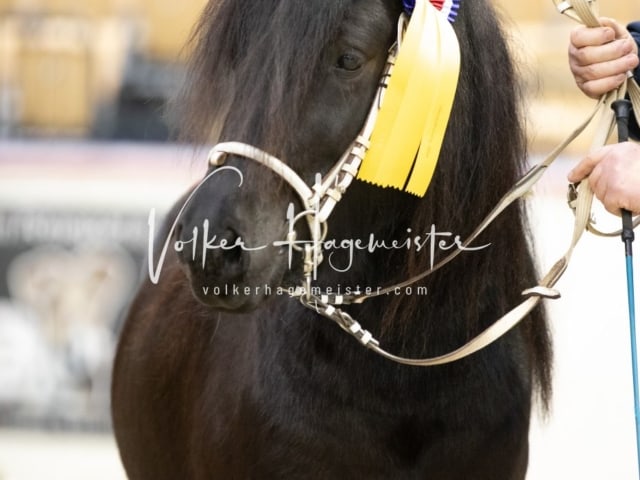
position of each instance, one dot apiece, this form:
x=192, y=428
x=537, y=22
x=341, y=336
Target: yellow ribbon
x=408, y=134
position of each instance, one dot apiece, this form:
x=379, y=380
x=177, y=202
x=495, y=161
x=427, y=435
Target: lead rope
x=321, y=199
x=586, y=13
x=581, y=201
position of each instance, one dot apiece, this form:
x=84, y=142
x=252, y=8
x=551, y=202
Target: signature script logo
x=341, y=252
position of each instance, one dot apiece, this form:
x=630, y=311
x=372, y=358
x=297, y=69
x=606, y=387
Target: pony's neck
x=311, y=354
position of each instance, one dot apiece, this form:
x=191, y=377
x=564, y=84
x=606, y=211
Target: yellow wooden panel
x=54, y=75
x=6, y=5
x=70, y=7
x=54, y=88
x=526, y=10
x=545, y=11
x=9, y=43
x=622, y=11
x=169, y=23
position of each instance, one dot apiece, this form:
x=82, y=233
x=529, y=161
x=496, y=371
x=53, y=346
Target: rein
x=320, y=199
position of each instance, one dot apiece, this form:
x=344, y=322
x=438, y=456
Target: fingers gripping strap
x=587, y=13
x=416, y=106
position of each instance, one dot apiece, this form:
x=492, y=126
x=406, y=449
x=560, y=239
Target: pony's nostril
x=232, y=253
x=214, y=253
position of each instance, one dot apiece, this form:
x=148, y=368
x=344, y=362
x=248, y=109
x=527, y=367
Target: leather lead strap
x=585, y=12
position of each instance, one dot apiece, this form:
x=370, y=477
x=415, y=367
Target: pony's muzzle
x=215, y=260
x=212, y=252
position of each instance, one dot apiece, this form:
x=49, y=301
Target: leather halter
x=320, y=199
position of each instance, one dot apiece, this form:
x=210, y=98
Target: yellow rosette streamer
x=411, y=124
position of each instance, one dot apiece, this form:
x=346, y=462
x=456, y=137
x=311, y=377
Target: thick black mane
x=252, y=55
x=483, y=155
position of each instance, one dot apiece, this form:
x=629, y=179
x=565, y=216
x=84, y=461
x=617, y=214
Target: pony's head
x=297, y=79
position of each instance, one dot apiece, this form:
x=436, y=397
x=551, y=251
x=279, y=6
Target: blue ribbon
x=409, y=5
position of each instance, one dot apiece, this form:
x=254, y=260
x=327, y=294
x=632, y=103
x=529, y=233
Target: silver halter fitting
x=318, y=204
x=318, y=201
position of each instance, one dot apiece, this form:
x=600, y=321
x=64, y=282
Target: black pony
x=220, y=375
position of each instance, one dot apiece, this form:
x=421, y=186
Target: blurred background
x=85, y=153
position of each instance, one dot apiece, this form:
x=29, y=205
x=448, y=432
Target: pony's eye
x=349, y=62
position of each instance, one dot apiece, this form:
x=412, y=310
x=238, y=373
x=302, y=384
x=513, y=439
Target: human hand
x=614, y=176
x=600, y=57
